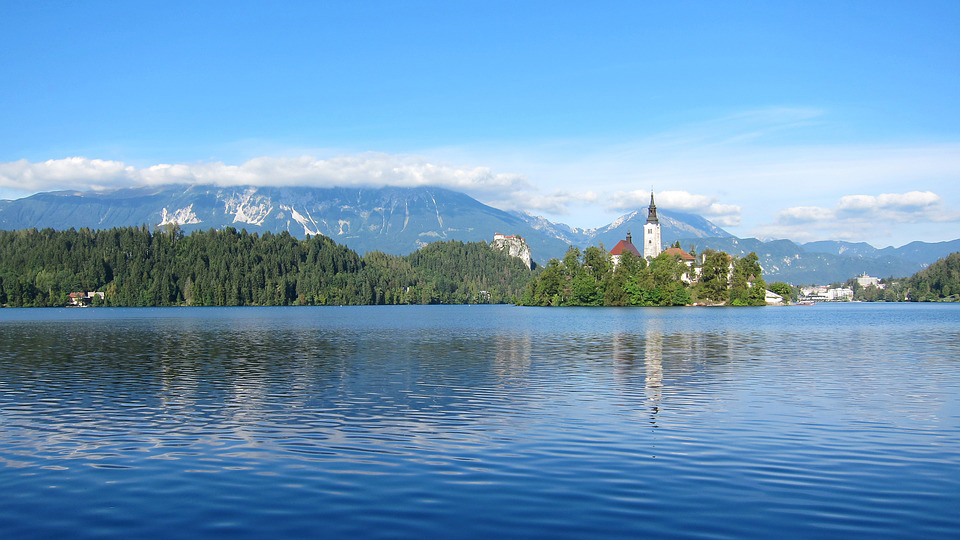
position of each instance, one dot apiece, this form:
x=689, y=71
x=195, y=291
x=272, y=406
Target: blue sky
x=803, y=120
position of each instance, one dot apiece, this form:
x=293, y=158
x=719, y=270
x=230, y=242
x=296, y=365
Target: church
x=651, y=238
x=652, y=244
x=651, y=232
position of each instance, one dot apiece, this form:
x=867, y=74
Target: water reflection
x=653, y=364
x=516, y=422
x=512, y=357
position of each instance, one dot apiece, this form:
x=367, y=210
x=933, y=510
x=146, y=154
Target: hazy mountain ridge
x=401, y=220
x=389, y=219
x=784, y=260
x=393, y=220
x=673, y=226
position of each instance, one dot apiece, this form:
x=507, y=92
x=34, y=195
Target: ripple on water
x=477, y=421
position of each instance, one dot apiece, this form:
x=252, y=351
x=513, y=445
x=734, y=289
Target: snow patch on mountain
x=246, y=208
x=303, y=221
x=560, y=231
x=183, y=216
x=621, y=220
x=437, y=208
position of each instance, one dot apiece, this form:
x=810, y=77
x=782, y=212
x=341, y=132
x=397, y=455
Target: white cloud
x=805, y=214
x=363, y=169
x=557, y=202
x=857, y=217
x=903, y=201
x=722, y=214
x=509, y=191
x=68, y=173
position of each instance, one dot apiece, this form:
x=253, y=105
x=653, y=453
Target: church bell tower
x=651, y=232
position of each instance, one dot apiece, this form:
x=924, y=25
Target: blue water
x=830, y=421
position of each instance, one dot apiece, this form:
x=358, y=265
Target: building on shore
x=772, y=298
x=623, y=246
x=693, y=269
x=85, y=298
x=823, y=293
x=865, y=281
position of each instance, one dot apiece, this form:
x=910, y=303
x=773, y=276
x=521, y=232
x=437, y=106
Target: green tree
x=713, y=284
x=747, y=287
x=787, y=291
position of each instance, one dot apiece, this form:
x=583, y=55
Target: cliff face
x=515, y=246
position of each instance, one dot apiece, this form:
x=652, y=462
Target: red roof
x=622, y=246
x=680, y=254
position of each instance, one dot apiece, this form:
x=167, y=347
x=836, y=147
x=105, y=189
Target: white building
x=839, y=294
x=865, y=281
x=621, y=247
x=822, y=293
x=772, y=298
x=651, y=233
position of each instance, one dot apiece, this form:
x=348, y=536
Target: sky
x=801, y=120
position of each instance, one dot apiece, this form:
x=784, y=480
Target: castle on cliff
x=513, y=245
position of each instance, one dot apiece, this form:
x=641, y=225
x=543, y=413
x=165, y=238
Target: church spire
x=652, y=211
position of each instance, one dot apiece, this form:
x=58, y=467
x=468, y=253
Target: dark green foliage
x=589, y=279
x=136, y=267
x=747, y=287
x=940, y=281
x=787, y=291
x=468, y=273
x=715, y=277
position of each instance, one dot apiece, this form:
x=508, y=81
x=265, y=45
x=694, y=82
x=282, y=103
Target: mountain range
x=401, y=220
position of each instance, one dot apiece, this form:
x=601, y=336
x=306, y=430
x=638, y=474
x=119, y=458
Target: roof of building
x=680, y=254
x=652, y=211
x=624, y=245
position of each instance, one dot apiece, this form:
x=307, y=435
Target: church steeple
x=652, y=211
x=651, y=232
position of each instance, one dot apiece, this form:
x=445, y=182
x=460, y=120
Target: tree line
x=135, y=266
x=590, y=278
x=938, y=282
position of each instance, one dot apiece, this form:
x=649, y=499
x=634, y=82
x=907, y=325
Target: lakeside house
x=622, y=246
x=824, y=293
x=82, y=299
x=693, y=269
x=772, y=298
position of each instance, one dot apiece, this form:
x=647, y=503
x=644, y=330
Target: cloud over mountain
x=368, y=169
x=723, y=214
x=855, y=214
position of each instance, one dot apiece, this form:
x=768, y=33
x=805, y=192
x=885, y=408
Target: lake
x=828, y=421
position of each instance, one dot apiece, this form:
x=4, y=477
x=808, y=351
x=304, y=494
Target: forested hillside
x=137, y=267
x=940, y=281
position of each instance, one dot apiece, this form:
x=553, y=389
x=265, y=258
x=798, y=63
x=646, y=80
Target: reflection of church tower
x=651, y=232
x=653, y=362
